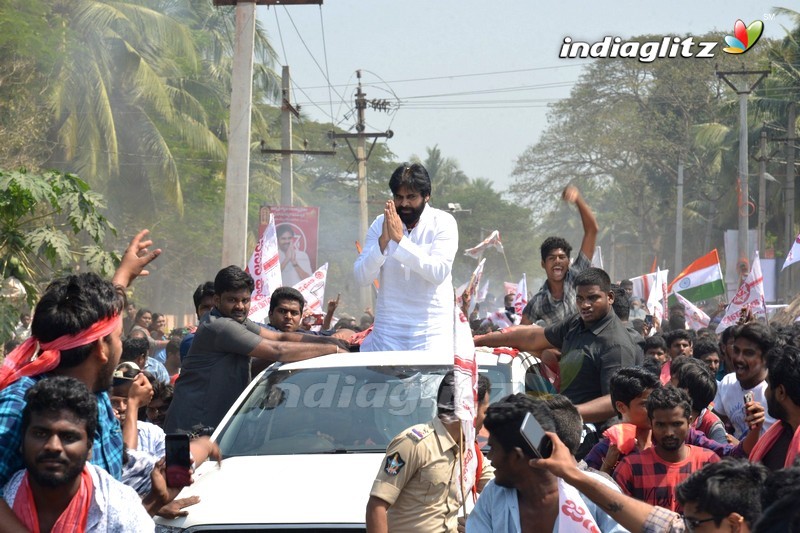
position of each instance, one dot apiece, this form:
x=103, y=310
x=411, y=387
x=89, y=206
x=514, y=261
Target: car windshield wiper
x=332, y=450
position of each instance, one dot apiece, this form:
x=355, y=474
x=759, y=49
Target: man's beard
x=776, y=410
x=54, y=480
x=411, y=215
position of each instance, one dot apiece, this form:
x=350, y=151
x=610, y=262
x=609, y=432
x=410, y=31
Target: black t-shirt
x=214, y=373
x=590, y=355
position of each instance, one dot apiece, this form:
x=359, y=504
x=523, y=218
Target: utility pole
x=788, y=194
x=361, y=157
x=790, y=138
x=287, y=111
x=237, y=173
x=744, y=260
x=679, y=221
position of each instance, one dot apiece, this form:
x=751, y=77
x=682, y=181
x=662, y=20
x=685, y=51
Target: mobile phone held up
x=748, y=397
x=648, y=319
x=540, y=444
x=178, y=459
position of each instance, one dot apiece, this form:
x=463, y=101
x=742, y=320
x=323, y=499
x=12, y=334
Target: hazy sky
x=473, y=77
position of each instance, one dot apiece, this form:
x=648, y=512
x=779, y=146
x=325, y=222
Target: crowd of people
x=651, y=427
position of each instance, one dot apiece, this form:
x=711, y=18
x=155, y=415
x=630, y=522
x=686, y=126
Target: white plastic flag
x=696, y=318
x=492, y=241
x=657, y=294
x=750, y=294
x=265, y=267
x=794, y=253
x=573, y=514
x=521, y=295
x=313, y=290
x=465, y=370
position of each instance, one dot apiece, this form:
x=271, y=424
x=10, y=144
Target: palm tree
x=137, y=80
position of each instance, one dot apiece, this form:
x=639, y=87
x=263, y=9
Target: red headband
x=25, y=361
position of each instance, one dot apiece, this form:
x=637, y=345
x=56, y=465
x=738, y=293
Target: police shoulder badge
x=394, y=463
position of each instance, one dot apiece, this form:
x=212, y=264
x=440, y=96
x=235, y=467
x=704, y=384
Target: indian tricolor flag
x=700, y=280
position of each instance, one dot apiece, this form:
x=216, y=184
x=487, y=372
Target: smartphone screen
x=648, y=319
x=178, y=459
x=533, y=433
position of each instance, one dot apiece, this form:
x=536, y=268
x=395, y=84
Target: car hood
x=282, y=489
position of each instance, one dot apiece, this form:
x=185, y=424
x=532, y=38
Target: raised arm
x=525, y=338
x=572, y=195
x=628, y=512
x=136, y=257
x=369, y=262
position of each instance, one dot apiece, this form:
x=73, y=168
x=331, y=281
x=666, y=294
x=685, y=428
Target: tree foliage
x=620, y=137
x=50, y=224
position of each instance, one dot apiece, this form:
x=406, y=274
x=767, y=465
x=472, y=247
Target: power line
x=312, y=56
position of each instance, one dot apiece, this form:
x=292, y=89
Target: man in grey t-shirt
x=217, y=368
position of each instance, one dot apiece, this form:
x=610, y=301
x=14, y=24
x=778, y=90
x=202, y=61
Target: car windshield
x=335, y=410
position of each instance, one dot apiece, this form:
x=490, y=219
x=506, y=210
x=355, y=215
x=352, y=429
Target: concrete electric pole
x=237, y=174
x=744, y=260
x=361, y=157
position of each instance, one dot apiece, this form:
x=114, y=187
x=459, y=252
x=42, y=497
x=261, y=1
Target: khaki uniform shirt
x=419, y=480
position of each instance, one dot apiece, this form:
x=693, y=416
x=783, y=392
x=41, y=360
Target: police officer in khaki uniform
x=417, y=489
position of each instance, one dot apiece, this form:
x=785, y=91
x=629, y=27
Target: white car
x=304, y=441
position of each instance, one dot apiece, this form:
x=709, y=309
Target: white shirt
x=114, y=506
x=414, y=310
x=289, y=275
x=729, y=402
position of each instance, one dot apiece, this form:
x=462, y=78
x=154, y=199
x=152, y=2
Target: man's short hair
x=683, y=362
x=654, y=342
x=413, y=176
x=757, y=333
x=204, y=290
x=53, y=394
x=622, y=304
x=669, y=398
x=133, y=348
x=173, y=346
x=445, y=396
x=630, y=382
x=554, y=243
x=504, y=419
x=703, y=347
x=73, y=304
x=286, y=293
x=676, y=334
x=783, y=368
x=569, y=424
x=700, y=384
x=593, y=276
x=233, y=279
x=725, y=487
x=625, y=283
x=284, y=228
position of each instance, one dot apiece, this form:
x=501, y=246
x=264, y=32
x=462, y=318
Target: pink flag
x=465, y=369
x=750, y=294
x=265, y=267
x=794, y=253
x=313, y=290
x=695, y=317
x=509, y=288
x=474, y=283
x=521, y=295
x=492, y=241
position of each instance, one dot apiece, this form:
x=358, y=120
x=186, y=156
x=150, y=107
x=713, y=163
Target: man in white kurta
x=410, y=251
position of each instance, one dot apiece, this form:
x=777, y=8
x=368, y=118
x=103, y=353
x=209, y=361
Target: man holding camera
x=522, y=497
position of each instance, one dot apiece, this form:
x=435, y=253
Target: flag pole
x=508, y=267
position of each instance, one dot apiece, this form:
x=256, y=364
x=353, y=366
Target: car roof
x=397, y=358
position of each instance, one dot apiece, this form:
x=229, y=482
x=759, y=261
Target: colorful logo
x=743, y=38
